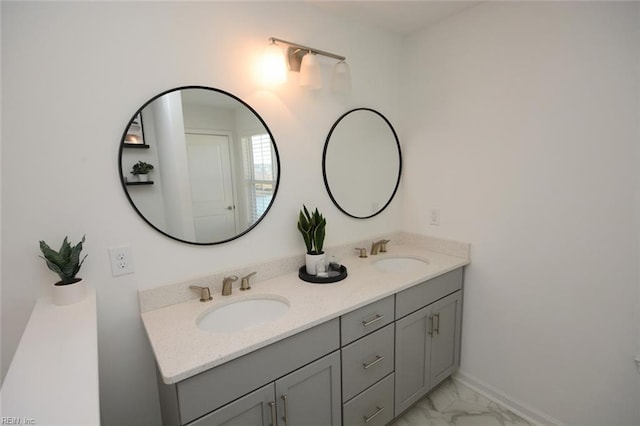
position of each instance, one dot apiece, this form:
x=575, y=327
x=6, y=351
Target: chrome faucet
x=205, y=293
x=226, y=284
x=379, y=246
x=244, y=285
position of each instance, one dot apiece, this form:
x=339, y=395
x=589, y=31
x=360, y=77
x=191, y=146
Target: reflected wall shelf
x=150, y=182
x=136, y=145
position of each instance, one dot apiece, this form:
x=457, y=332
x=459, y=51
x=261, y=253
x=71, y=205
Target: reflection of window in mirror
x=259, y=173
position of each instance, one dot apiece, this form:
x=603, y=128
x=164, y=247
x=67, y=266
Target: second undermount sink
x=243, y=314
x=399, y=264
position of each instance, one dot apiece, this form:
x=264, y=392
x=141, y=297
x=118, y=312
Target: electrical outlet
x=435, y=217
x=121, y=260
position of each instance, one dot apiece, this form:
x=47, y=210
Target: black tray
x=334, y=276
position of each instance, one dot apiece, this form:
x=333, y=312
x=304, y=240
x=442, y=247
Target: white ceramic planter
x=70, y=293
x=311, y=261
x=143, y=178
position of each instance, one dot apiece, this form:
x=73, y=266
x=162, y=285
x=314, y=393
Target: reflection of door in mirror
x=216, y=171
x=211, y=186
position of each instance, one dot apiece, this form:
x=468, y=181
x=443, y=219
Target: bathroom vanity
x=360, y=351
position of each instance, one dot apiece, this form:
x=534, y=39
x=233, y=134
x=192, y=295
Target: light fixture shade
x=310, y=72
x=341, y=81
x=274, y=67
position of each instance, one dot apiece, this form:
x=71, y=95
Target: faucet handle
x=362, y=251
x=383, y=245
x=245, y=282
x=205, y=293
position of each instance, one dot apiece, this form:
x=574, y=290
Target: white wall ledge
x=53, y=378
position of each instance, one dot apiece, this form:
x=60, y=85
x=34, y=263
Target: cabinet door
x=445, y=339
x=310, y=396
x=413, y=346
x=255, y=409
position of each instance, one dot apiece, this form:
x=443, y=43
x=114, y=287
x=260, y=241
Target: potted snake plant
x=66, y=263
x=312, y=226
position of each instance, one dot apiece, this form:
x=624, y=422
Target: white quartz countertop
x=183, y=350
x=53, y=377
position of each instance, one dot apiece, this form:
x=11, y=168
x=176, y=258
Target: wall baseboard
x=499, y=397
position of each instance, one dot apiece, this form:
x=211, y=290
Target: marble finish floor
x=453, y=403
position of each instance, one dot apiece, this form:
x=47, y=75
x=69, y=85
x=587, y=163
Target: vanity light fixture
x=274, y=67
x=303, y=59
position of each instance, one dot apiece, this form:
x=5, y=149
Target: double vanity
x=287, y=352
x=278, y=350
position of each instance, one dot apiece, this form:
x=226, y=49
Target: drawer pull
x=285, y=418
x=367, y=419
x=436, y=325
x=274, y=420
x=366, y=365
x=377, y=318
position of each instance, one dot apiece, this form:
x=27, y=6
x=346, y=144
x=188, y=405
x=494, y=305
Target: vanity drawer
x=211, y=389
x=424, y=294
x=373, y=407
x=363, y=321
x=366, y=361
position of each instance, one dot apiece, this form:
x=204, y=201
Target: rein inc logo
x=17, y=421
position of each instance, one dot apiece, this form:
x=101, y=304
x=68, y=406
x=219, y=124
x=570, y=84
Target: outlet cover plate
x=121, y=260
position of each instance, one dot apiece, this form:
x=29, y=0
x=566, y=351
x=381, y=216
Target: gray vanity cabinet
x=311, y=395
x=308, y=396
x=368, y=363
x=304, y=367
x=366, y=367
x=427, y=349
x=256, y=409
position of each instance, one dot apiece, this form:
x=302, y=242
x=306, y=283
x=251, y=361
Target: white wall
x=521, y=126
x=72, y=76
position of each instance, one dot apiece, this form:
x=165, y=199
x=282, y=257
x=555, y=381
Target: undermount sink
x=243, y=314
x=399, y=264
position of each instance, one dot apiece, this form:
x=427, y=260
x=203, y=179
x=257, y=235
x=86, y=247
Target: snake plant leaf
x=306, y=236
x=49, y=254
x=319, y=239
x=306, y=213
x=303, y=222
x=65, y=250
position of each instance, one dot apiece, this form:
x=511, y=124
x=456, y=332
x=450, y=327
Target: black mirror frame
x=324, y=160
x=124, y=185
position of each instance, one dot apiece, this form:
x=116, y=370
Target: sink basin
x=243, y=314
x=399, y=264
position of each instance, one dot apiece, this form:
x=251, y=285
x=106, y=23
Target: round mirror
x=199, y=165
x=361, y=163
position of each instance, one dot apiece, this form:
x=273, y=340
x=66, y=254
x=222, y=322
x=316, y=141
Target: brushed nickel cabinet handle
x=274, y=419
x=430, y=327
x=286, y=409
x=367, y=365
x=377, y=318
x=367, y=419
x=436, y=326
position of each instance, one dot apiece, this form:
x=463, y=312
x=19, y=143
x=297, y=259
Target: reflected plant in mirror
x=362, y=163
x=217, y=165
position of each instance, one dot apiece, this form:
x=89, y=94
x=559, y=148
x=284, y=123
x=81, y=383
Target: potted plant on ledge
x=141, y=169
x=312, y=227
x=66, y=263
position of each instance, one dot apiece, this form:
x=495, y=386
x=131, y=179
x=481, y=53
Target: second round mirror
x=362, y=163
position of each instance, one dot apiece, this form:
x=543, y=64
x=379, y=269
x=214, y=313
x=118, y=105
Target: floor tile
x=452, y=403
